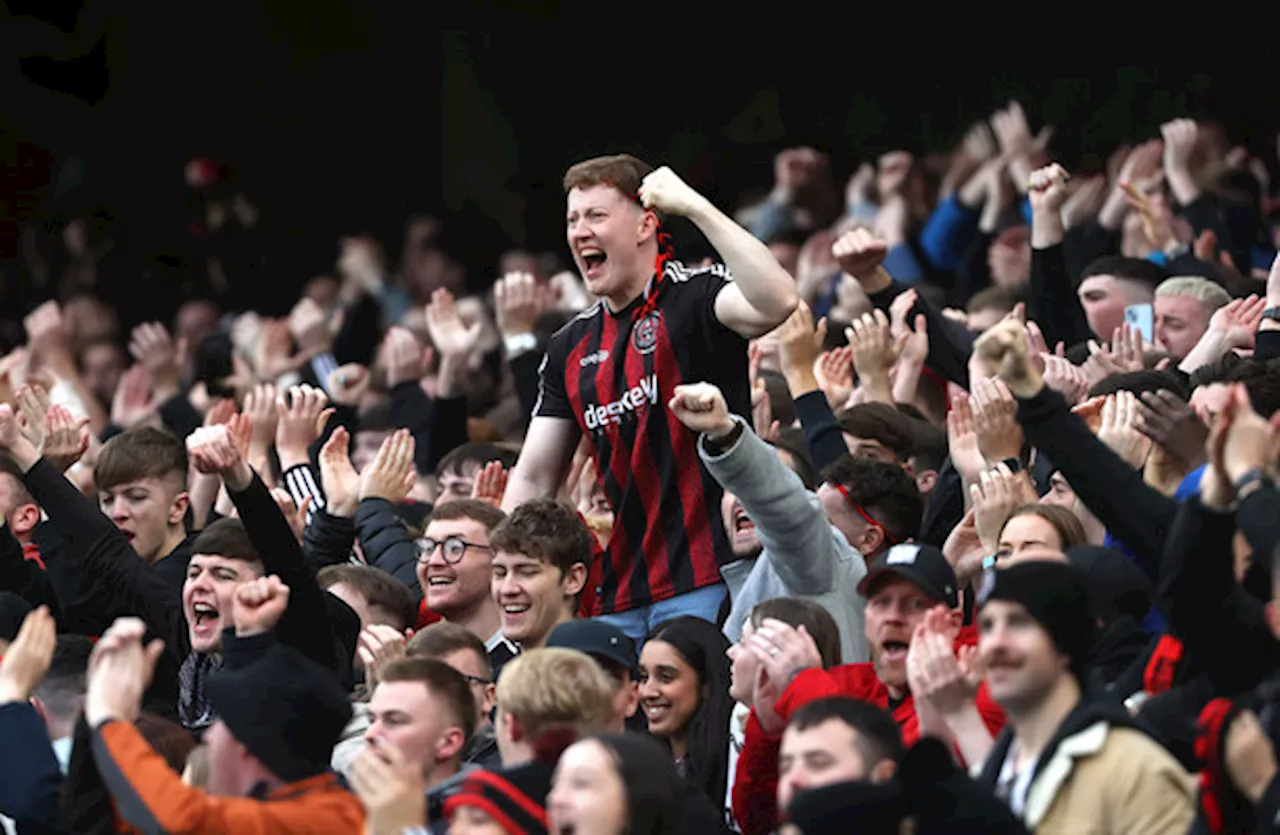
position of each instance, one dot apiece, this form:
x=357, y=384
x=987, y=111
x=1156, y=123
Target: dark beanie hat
x=285, y=708
x=13, y=611
x=1057, y=595
x=1120, y=588
x=878, y=808
x=515, y=798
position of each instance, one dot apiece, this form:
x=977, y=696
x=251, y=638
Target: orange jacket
x=149, y=797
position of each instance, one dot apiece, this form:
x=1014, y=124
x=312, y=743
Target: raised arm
x=544, y=461
x=762, y=294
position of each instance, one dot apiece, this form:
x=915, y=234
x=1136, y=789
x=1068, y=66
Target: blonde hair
x=1209, y=294
x=552, y=686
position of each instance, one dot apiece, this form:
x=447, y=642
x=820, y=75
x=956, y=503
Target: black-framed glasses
x=475, y=679
x=453, y=546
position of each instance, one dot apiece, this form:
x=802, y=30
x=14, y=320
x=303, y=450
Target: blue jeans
x=701, y=603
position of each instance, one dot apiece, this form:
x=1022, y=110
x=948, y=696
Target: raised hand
x=490, y=484
x=152, y=346
x=934, y=673
x=33, y=405
x=1170, y=422
x=66, y=438
x=213, y=451
x=1003, y=348
x=1119, y=429
x=1238, y=321
x=391, y=476
x=872, y=344
x=403, y=357
x=1084, y=202
x=783, y=651
x=132, y=404
x=377, y=646
x=519, y=300
x=799, y=345
x=1179, y=146
x=261, y=410
x=120, y=669
x=701, y=407
x=258, y=605
x=834, y=371
x=998, y=492
x=302, y=413
x=308, y=327
x=860, y=254
x=1061, y=375
x=452, y=338
x=392, y=790
x=663, y=190
x=338, y=476
x=349, y=383
x=27, y=659
x=962, y=440
x=1047, y=189
x=995, y=419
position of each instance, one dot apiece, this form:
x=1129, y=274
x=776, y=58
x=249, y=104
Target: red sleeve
x=755, y=786
x=811, y=685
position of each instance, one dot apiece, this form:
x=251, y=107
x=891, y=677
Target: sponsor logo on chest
x=633, y=401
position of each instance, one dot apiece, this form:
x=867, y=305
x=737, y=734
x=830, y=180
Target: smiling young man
x=455, y=569
x=540, y=558
x=608, y=373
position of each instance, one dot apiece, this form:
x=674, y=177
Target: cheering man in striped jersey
x=610, y=372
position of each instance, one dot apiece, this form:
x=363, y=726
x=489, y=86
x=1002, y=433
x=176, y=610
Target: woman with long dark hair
x=684, y=693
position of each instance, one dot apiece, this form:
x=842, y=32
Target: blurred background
x=337, y=118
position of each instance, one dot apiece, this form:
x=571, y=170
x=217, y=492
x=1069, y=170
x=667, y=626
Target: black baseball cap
x=918, y=563
x=598, y=639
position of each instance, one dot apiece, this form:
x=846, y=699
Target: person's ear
x=178, y=510
x=925, y=481
x=25, y=518
x=883, y=771
x=633, y=698
x=872, y=540
x=648, y=226
x=490, y=697
x=450, y=744
x=574, y=580
x=955, y=618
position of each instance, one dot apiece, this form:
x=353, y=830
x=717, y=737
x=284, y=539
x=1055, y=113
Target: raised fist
x=666, y=192
x=258, y=605
x=859, y=252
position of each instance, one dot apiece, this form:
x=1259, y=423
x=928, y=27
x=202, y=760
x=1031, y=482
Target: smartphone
x=1142, y=317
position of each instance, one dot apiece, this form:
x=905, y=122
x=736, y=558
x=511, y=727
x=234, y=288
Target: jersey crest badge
x=644, y=337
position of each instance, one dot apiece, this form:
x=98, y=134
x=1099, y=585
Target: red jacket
x=755, y=787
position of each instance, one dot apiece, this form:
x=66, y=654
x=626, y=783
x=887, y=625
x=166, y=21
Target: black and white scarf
x=193, y=705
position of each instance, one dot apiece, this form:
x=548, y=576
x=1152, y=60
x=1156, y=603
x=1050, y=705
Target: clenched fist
x=702, y=408
x=664, y=191
x=859, y=253
x=258, y=605
x=1004, y=349
x=1047, y=188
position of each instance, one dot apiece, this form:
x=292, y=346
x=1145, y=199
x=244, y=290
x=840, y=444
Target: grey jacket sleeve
x=789, y=520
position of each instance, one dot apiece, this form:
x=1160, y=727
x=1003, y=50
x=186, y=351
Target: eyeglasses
x=475, y=679
x=870, y=520
x=454, y=547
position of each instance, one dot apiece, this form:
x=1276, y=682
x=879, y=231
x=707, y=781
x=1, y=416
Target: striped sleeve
x=301, y=482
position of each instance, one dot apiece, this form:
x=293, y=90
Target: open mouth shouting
x=593, y=259
x=204, y=622
x=894, y=651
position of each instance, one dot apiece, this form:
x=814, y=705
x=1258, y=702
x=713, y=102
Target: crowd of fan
x=947, y=507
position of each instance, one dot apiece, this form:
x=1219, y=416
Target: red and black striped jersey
x=613, y=375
